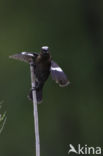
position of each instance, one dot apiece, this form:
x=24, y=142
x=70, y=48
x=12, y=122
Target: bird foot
x=32, y=63
x=34, y=88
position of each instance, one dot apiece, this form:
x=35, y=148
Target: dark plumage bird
x=43, y=66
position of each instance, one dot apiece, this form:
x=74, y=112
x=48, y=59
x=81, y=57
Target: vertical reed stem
x=35, y=112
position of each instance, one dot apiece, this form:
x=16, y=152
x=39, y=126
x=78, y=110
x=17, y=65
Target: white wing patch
x=58, y=75
x=57, y=69
x=26, y=53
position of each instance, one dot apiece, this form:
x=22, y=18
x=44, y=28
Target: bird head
x=44, y=50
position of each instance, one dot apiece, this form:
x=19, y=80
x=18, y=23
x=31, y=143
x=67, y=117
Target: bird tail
x=39, y=95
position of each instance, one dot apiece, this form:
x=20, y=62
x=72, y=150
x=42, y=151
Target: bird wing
x=58, y=75
x=25, y=56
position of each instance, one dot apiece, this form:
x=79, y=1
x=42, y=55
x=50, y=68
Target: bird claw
x=34, y=88
x=32, y=63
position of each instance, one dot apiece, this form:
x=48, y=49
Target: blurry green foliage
x=74, y=32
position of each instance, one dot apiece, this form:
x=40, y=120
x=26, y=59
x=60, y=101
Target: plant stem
x=35, y=112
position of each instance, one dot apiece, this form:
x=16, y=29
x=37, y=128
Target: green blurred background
x=74, y=115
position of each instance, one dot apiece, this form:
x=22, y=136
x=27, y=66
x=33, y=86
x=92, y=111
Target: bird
x=43, y=65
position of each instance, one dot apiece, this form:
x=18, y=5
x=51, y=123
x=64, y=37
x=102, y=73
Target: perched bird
x=43, y=66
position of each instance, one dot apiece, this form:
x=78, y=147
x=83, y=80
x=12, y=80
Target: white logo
x=84, y=149
x=72, y=149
